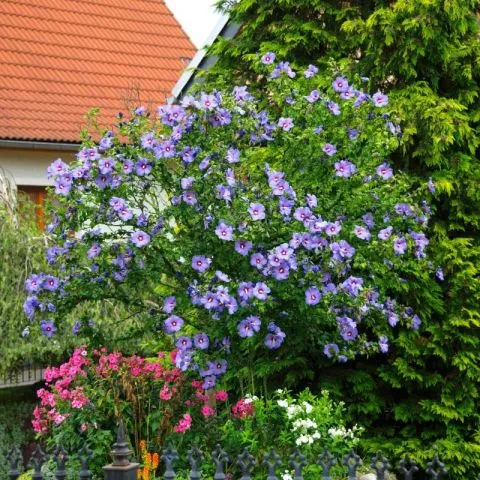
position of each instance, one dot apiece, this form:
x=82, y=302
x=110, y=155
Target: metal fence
x=244, y=464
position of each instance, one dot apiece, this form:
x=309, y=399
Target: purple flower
x=62, y=186
x=416, y=322
x=383, y=344
x=274, y=339
x=431, y=185
x=310, y=71
x=50, y=283
x=348, y=328
x=312, y=296
x=184, y=343
x=303, y=214
x=142, y=220
x=333, y=107
x=392, y=318
x=385, y=233
x=169, y=304
x=285, y=206
x=344, y=169
x=241, y=95
x=140, y=239
x=143, y=167
x=268, y=58
x=248, y=326
x=352, y=285
x=30, y=305
x=340, y=85
x=218, y=367
x=400, y=245
x=330, y=350
x=439, y=274
x=281, y=272
x=106, y=165
x=183, y=360
x=222, y=276
x=200, y=263
x=201, y=341
x=313, y=97
x=125, y=214
x=384, y=171
x=148, y=141
x=368, y=219
x=332, y=229
x=261, y=291
x=329, y=149
x=352, y=133
x=403, y=209
x=209, y=382
x=208, y=102
x=127, y=167
x=379, y=99
x=233, y=155
x=173, y=324
x=186, y=183
x=58, y=167
x=243, y=247
x=33, y=283
x=210, y=301
x=189, y=197
x=230, y=177
x=117, y=203
x=285, y=123
x=341, y=250
x=94, y=251
x=362, y=232
x=258, y=260
x=245, y=290
x=312, y=200
x=47, y=328
x=256, y=211
x=224, y=231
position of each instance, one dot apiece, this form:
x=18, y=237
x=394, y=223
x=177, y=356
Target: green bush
x=426, y=54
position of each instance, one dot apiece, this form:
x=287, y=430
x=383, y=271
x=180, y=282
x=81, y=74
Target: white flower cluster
x=249, y=398
x=306, y=427
x=286, y=475
x=343, y=432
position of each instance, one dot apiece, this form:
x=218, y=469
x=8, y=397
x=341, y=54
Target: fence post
x=121, y=468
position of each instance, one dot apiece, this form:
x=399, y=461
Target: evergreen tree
x=430, y=53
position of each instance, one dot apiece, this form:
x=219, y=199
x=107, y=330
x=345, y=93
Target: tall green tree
x=429, y=52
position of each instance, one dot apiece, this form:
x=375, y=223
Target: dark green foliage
x=429, y=54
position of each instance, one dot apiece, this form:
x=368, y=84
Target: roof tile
x=60, y=58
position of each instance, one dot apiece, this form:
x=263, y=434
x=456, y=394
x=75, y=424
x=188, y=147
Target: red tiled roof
x=60, y=58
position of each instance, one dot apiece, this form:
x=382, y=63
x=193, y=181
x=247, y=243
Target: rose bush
x=273, y=228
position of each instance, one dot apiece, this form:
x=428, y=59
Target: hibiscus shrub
x=271, y=228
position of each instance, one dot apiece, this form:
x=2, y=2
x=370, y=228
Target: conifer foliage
x=429, y=54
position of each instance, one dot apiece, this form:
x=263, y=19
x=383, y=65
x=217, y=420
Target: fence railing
x=122, y=468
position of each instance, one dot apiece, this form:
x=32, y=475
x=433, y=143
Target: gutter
x=30, y=145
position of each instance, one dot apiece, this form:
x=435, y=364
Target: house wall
x=29, y=166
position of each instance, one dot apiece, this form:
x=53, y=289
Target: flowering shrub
x=84, y=397
x=247, y=224
x=311, y=423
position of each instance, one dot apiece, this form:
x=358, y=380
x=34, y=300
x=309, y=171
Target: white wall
x=29, y=167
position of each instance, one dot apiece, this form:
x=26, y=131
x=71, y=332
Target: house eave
x=37, y=145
